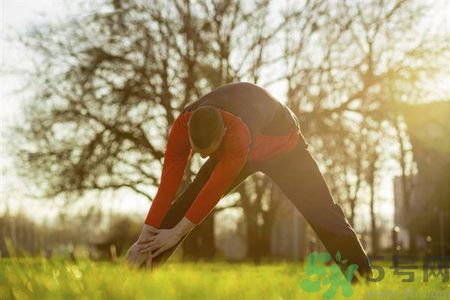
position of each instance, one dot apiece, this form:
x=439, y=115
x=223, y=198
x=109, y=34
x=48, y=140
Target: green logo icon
x=330, y=278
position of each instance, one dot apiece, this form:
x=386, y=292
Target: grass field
x=34, y=278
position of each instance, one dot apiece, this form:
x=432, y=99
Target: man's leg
x=181, y=205
x=298, y=176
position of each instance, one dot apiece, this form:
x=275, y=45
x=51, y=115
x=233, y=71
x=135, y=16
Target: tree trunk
x=373, y=225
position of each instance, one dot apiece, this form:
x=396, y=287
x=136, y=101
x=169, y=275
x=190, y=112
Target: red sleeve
x=226, y=170
x=176, y=157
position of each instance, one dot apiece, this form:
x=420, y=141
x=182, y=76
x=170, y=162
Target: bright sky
x=18, y=15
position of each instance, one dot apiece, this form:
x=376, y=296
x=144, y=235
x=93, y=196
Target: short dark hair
x=205, y=125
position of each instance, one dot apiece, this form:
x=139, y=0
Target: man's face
x=211, y=149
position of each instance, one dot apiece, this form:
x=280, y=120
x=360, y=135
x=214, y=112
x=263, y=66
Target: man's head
x=206, y=130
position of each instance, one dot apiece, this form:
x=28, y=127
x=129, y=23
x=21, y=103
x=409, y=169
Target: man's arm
x=226, y=170
x=183, y=227
x=176, y=158
x=237, y=143
x=221, y=178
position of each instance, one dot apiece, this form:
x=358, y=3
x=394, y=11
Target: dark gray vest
x=262, y=113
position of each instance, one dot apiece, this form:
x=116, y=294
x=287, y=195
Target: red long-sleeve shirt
x=232, y=154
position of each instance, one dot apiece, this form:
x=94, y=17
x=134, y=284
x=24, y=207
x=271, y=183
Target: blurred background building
x=423, y=217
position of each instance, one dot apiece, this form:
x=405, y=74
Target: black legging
x=296, y=173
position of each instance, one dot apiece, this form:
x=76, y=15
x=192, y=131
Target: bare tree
x=107, y=85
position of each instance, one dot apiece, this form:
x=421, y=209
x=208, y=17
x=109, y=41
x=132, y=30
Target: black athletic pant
x=297, y=174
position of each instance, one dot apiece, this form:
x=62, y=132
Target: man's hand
x=134, y=256
x=163, y=239
x=137, y=259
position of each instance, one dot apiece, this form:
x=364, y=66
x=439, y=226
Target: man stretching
x=243, y=129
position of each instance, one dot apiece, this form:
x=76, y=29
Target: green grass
x=34, y=278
